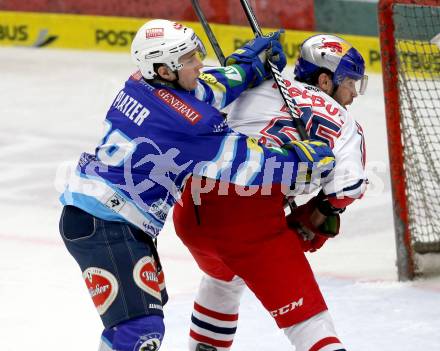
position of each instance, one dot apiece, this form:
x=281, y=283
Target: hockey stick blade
x=288, y=100
x=208, y=31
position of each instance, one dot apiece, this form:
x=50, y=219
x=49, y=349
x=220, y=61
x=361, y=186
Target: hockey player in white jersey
x=328, y=75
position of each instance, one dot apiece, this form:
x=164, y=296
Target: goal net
x=411, y=73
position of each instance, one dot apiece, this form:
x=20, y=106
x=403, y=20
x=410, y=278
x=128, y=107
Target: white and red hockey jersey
x=262, y=114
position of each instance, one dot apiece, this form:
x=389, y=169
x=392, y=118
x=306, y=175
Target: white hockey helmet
x=336, y=55
x=163, y=41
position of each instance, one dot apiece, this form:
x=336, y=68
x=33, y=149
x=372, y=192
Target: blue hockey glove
x=256, y=53
x=316, y=155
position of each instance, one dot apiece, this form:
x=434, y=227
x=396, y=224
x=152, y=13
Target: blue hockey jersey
x=157, y=136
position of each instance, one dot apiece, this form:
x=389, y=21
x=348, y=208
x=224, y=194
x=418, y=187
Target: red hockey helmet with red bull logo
x=163, y=42
x=334, y=54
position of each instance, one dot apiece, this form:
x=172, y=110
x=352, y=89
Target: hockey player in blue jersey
x=162, y=127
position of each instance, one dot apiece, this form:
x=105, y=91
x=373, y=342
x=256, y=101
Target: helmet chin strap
x=335, y=89
x=335, y=86
x=169, y=83
x=175, y=82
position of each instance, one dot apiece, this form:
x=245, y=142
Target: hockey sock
x=315, y=334
x=215, y=314
x=144, y=333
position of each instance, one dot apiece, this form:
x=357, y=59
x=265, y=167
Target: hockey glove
x=311, y=237
x=316, y=155
x=256, y=52
x=324, y=205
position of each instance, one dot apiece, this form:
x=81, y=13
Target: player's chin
x=189, y=85
x=194, y=84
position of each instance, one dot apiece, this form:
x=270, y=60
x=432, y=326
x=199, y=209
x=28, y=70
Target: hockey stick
x=209, y=33
x=288, y=100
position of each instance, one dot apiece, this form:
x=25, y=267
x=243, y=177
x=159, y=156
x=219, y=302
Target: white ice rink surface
x=52, y=104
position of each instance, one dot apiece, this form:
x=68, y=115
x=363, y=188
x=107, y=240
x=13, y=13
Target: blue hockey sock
x=143, y=333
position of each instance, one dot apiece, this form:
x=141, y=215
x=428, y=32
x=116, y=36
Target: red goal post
x=411, y=76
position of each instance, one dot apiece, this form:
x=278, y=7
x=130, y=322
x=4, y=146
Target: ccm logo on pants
x=285, y=309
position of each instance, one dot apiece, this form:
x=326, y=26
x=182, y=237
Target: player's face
x=188, y=74
x=346, y=92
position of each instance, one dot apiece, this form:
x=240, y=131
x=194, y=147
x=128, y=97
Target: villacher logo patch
x=146, y=277
x=103, y=287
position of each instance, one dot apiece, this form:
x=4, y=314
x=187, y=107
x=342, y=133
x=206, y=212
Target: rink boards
x=53, y=30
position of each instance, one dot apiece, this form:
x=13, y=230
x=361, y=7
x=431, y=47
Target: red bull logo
x=333, y=46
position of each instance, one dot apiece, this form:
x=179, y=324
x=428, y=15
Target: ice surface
x=52, y=107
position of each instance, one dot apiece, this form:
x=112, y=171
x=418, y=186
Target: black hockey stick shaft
x=209, y=33
x=288, y=100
